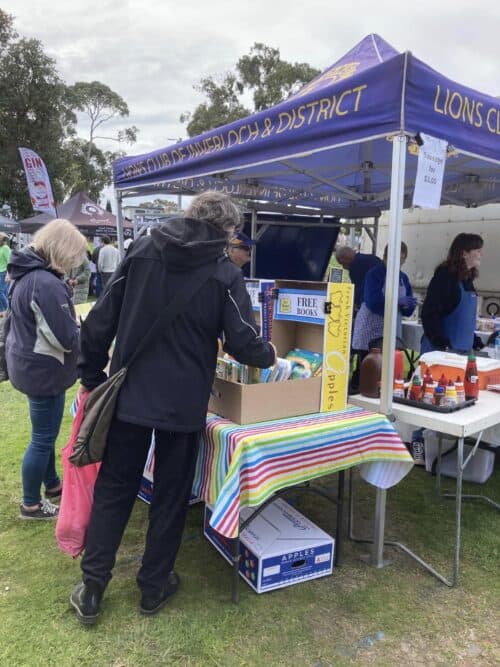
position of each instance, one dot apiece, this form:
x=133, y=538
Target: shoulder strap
x=174, y=307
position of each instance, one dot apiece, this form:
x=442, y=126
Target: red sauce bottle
x=416, y=389
x=471, y=380
x=427, y=380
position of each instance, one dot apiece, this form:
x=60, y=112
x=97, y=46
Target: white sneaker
x=418, y=452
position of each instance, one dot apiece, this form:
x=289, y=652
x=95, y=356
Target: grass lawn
x=398, y=615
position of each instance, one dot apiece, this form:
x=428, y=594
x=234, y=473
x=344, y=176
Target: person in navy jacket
x=41, y=351
x=450, y=307
x=358, y=264
x=369, y=324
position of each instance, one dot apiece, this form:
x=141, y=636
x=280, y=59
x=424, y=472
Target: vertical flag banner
x=38, y=180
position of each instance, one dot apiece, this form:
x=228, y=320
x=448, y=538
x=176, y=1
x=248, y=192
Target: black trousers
x=115, y=493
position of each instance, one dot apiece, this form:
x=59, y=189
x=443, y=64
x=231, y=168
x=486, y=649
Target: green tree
x=167, y=205
x=100, y=104
x=271, y=79
x=37, y=110
x=86, y=168
x=33, y=113
x=7, y=32
x=261, y=72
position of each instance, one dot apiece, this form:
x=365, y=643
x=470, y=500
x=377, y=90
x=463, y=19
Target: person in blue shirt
x=450, y=307
x=369, y=324
x=358, y=264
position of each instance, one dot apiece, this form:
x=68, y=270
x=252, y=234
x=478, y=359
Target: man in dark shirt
x=358, y=264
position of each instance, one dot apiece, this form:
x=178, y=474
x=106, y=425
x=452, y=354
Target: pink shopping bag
x=77, y=495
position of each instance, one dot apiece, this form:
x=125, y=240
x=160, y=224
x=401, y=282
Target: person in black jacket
x=167, y=389
x=450, y=307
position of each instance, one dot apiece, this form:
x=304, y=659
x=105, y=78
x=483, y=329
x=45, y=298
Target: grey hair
x=216, y=208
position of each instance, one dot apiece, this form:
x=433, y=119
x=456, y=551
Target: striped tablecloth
x=244, y=465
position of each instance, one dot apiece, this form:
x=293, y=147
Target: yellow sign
x=337, y=347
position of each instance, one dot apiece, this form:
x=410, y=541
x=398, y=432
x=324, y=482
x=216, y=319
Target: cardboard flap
x=281, y=528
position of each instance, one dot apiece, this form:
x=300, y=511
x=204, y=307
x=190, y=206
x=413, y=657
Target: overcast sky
x=152, y=52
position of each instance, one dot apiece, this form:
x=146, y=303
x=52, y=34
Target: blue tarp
x=329, y=146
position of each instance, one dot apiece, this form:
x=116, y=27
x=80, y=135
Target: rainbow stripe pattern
x=244, y=465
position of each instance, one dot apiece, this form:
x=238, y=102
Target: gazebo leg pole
x=119, y=224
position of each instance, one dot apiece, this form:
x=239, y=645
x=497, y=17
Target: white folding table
x=412, y=333
x=470, y=421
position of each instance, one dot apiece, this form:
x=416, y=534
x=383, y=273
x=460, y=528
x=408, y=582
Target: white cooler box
x=478, y=469
x=279, y=548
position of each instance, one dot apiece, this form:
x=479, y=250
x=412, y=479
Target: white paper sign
x=430, y=171
x=253, y=289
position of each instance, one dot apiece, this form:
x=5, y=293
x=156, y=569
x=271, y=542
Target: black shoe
x=86, y=600
x=53, y=495
x=151, y=605
x=44, y=512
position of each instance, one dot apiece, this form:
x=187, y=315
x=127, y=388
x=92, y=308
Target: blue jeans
x=98, y=284
x=4, y=304
x=39, y=465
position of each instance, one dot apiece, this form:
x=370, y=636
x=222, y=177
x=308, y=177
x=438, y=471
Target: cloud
x=153, y=53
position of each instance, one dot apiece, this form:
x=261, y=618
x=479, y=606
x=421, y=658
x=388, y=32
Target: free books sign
x=301, y=305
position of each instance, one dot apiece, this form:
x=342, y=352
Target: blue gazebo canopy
x=329, y=145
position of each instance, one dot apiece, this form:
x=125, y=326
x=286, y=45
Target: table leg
x=458, y=508
x=236, y=571
x=340, y=519
x=471, y=496
x=438, y=465
x=378, y=543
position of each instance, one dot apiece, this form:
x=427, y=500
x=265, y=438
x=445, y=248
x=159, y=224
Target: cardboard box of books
x=279, y=548
x=311, y=329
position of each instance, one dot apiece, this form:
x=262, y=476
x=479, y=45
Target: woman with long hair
x=450, y=307
x=41, y=351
